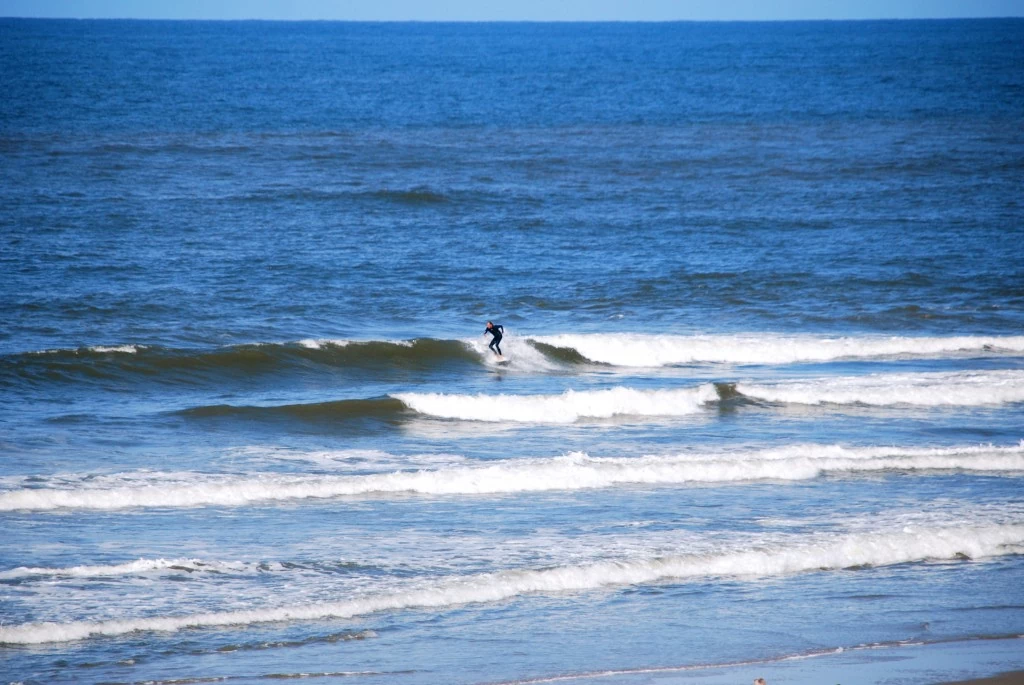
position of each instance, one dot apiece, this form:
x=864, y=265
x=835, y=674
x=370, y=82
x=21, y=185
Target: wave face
x=639, y=350
x=378, y=408
x=858, y=550
x=920, y=389
x=576, y=471
x=152, y=363
x=565, y=408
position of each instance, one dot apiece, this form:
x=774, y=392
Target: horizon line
x=518, y=21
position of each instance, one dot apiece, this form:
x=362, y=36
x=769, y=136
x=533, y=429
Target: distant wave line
x=530, y=353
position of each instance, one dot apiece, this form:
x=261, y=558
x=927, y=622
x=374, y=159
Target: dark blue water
x=764, y=312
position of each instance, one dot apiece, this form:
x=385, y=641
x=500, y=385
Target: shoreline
x=977, y=661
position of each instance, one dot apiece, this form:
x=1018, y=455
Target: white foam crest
x=921, y=389
x=108, y=349
x=793, y=556
x=121, y=349
x=321, y=343
x=129, y=568
x=576, y=471
x=642, y=350
x=567, y=407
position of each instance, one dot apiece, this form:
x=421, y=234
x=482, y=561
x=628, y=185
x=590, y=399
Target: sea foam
x=787, y=557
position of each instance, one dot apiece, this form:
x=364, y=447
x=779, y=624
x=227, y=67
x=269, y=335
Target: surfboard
x=501, y=360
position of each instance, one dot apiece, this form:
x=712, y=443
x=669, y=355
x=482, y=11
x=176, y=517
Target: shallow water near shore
x=764, y=311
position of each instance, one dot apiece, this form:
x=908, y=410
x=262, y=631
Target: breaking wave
x=977, y=388
x=857, y=551
x=575, y=471
x=919, y=389
x=643, y=350
x=567, y=407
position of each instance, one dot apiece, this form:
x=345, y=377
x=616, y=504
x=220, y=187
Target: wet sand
x=1008, y=678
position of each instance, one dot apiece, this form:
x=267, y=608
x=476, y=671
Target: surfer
x=495, y=329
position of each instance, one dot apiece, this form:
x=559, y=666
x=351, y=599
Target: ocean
x=763, y=300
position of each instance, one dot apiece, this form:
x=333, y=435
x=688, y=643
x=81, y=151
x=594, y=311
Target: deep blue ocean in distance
x=763, y=300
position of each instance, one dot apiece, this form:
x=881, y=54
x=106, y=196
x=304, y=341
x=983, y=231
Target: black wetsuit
x=496, y=330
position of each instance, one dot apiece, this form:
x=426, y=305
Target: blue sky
x=532, y=10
